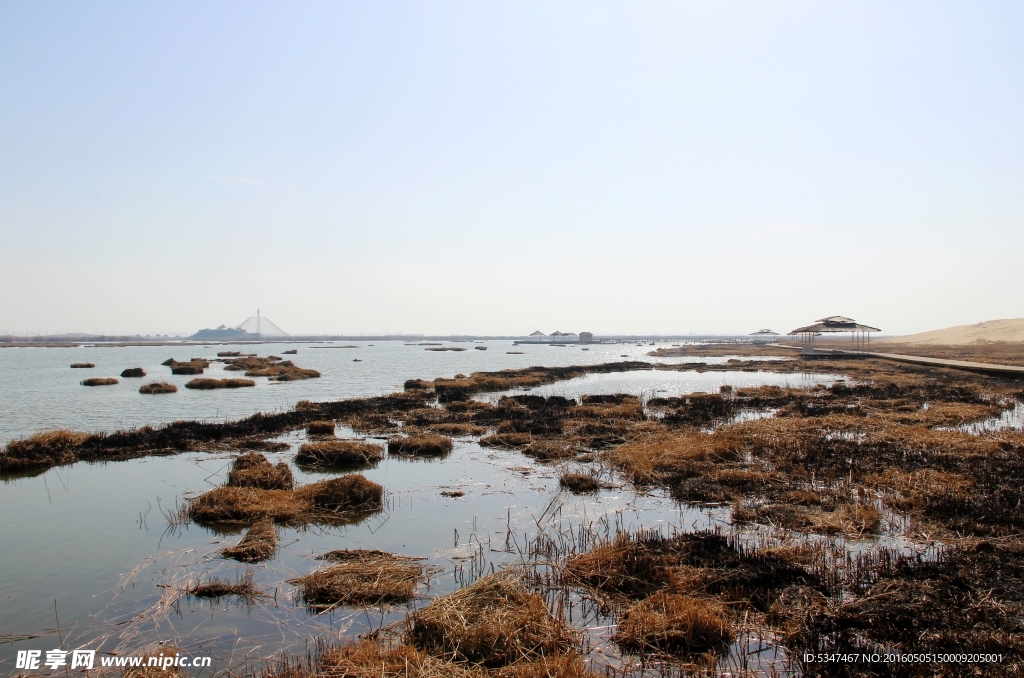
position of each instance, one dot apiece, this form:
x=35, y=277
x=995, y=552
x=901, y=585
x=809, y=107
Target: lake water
x=40, y=391
x=89, y=559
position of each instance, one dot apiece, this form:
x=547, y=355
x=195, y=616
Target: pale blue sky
x=503, y=167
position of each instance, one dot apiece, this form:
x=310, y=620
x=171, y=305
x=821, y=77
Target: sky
x=502, y=167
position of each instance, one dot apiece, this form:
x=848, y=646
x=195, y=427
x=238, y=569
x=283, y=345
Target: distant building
x=222, y=333
x=586, y=337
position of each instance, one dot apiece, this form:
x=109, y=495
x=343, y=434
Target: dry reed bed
x=157, y=388
x=360, y=577
x=211, y=384
x=254, y=470
x=272, y=367
x=420, y=445
x=494, y=623
x=133, y=373
x=338, y=453
x=320, y=428
x=337, y=500
x=242, y=586
x=258, y=544
x=100, y=381
x=376, y=659
x=82, y=366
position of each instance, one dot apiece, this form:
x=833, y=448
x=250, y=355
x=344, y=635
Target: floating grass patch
x=82, y=366
x=493, y=623
x=545, y=450
x=158, y=387
x=329, y=453
x=360, y=577
x=320, y=428
x=272, y=367
x=258, y=544
x=254, y=470
x=290, y=352
x=100, y=381
x=420, y=445
x=242, y=586
x=211, y=384
x=194, y=366
x=328, y=501
x=675, y=624
x=580, y=483
x=452, y=494
x=133, y=373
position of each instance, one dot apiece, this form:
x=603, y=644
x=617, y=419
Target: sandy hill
x=1011, y=330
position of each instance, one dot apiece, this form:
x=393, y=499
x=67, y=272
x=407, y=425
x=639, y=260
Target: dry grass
x=508, y=441
x=360, y=577
x=242, y=586
x=253, y=470
x=673, y=623
x=194, y=366
x=100, y=381
x=133, y=373
x=458, y=429
x=42, y=449
x=546, y=450
x=580, y=482
x=158, y=387
x=258, y=544
x=210, y=384
x=320, y=428
x=81, y=366
x=373, y=659
x=328, y=501
x=161, y=653
x=493, y=623
x=370, y=422
x=626, y=566
x=420, y=445
x=272, y=367
x=331, y=453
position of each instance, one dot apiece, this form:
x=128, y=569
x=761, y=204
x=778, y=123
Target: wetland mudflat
x=667, y=530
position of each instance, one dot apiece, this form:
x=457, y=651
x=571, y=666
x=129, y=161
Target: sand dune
x=1010, y=330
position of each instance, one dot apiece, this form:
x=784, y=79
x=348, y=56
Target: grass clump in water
x=580, y=483
x=210, y=384
x=420, y=445
x=675, y=624
x=133, y=373
x=360, y=577
x=258, y=544
x=100, y=381
x=158, y=387
x=329, y=453
x=493, y=623
x=82, y=366
x=320, y=428
x=254, y=470
x=337, y=500
x=242, y=586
